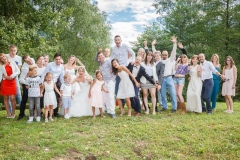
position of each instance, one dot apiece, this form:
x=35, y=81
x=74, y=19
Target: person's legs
x=116, y=89
x=135, y=100
x=231, y=104
x=109, y=97
x=13, y=101
x=23, y=102
x=55, y=112
x=202, y=100
x=207, y=92
x=18, y=96
x=145, y=100
x=31, y=106
x=129, y=106
x=37, y=105
x=172, y=92
x=93, y=111
x=215, y=90
x=6, y=104
x=153, y=96
x=164, y=93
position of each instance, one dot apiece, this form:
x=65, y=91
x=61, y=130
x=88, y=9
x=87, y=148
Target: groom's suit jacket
x=160, y=72
x=141, y=72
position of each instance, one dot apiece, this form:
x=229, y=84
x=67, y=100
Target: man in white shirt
x=206, y=76
x=57, y=69
x=28, y=61
x=12, y=56
x=167, y=80
x=120, y=52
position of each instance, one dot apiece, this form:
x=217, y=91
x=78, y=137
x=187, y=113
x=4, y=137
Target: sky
x=128, y=17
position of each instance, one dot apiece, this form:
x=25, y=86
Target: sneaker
x=114, y=116
x=46, y=120
x=227, y=111
x=163, y=109
x=66, y=116
x=51, y=119
x=30, y=120
x=230, y=111
x=38, y=119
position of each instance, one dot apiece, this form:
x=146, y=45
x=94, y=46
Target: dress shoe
x=163, y=109
x=20, y=117
x=173, y=111
x=56, y=115
x=137, y=115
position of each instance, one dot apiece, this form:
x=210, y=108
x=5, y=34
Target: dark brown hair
x=114, y=70
x=152, y=60
x=232, y=62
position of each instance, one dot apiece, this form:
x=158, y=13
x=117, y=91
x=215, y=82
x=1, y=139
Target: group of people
x=121, y=75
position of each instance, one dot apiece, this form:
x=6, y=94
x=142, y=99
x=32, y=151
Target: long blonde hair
x=3, y=55
x=217, y=58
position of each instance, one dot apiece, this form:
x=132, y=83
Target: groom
x=57, y=69
x=207, y=78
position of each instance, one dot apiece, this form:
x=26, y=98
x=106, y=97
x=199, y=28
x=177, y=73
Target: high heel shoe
x=122, y=112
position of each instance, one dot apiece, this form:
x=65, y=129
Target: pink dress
x=227, y=85
x=96, y=99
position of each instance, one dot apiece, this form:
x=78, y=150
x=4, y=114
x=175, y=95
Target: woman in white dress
x=126, y=89
x=80, y=102
x=194, y=87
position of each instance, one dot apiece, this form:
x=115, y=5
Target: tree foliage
x=50, y=26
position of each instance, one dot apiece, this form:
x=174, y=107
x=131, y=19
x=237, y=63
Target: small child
x=67, y=93
x=33, y=85
x=95, y=94
x=50, y=101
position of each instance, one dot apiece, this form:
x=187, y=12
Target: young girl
x=50, y=101
x=33, y=85
x=95, y=94
x=126, y=89
x=228, y=87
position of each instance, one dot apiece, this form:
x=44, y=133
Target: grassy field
x=164, y=136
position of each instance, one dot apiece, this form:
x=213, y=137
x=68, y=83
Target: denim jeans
x=159, y=97
x=206, y=93
x=34, y=102
x=135, y=102
x=18, y=96
x=168, y=84
x=116, y=89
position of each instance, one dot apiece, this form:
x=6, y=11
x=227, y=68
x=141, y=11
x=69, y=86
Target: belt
x=206, y=79
x=167, y=76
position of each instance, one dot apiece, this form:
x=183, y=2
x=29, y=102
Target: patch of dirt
x=90, y=157
x=72, y=154
x=138, y=147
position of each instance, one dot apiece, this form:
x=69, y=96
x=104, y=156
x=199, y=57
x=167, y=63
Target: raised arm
x=153, y=46
x=174, y=50
x=180, y=45
x=131, y=52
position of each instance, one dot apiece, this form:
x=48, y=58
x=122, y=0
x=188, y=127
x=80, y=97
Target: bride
x=80, y=103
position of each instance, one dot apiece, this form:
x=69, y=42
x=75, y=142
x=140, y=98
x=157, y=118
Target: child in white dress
x=50, y=101
x=95, y=94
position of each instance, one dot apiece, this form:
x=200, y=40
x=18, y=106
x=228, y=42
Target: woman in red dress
x=8, y=72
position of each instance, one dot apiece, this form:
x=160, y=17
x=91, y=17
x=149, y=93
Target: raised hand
x=174, y=39
x=180, y=45
x=145, y=43
x=154, y=42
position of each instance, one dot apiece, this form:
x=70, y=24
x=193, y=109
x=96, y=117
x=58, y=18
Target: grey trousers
x=34, y=101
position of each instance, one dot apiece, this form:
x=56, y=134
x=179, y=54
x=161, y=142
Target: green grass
x=164, y=136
